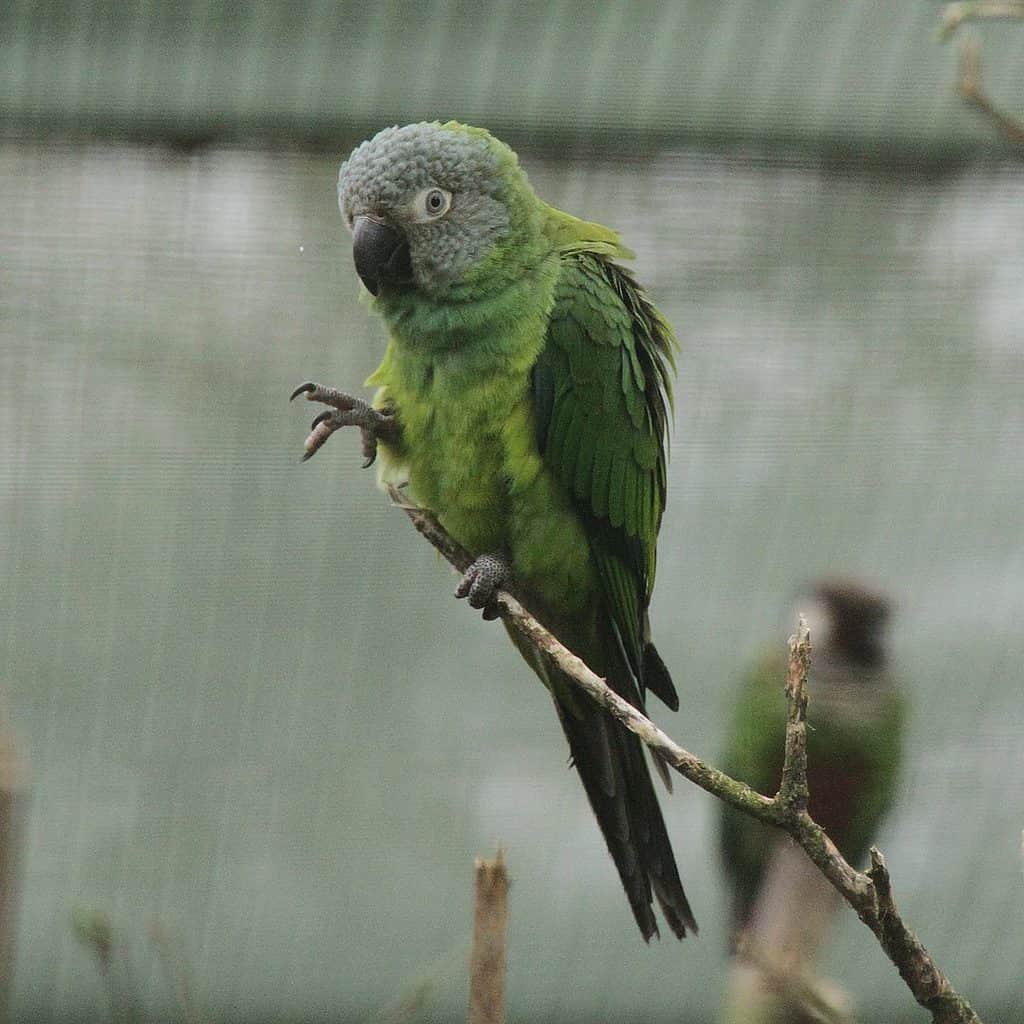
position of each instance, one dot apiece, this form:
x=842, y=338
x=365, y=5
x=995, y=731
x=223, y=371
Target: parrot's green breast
x=469, y=454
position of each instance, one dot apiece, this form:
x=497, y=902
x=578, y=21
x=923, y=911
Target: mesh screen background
x=251, y=710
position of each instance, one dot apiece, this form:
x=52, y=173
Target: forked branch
x=870, y=894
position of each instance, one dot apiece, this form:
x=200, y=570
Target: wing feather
x=601, y=475
x=602, y=395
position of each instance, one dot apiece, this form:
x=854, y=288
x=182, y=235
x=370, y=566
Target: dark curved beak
x=381, y=254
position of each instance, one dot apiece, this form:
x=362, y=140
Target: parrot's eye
x=431, y=203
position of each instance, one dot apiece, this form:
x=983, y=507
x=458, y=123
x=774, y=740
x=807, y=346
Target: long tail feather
x=628, y=815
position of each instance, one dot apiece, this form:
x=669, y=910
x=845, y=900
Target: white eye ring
x=430, y=204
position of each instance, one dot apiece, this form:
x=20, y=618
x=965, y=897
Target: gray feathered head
x=427, y=203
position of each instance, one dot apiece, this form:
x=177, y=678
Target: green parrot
x=524, y=398
x=781, y=904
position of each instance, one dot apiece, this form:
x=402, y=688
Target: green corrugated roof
x=867, y=75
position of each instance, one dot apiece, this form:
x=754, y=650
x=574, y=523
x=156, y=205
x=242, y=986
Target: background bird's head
x=847, y=620
x=428, y=205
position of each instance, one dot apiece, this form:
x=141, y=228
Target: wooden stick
x=487, y=963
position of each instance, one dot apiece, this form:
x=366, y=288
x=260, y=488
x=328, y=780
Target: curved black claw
x=482, y=581
x=346, y=411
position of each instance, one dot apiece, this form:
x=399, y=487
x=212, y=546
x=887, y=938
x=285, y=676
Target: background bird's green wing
x=602, y=394
x=852, y=770
x=753, y=755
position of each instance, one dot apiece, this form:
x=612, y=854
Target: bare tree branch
x=972, y=91
x=869, y=894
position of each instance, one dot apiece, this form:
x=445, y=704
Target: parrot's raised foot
x=481, y=582
x=346, y=411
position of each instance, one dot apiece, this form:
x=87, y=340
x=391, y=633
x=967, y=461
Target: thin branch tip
x=879, y=875
x=953, y=15
x=793, y=794
x=969, y=83
x=800, y=642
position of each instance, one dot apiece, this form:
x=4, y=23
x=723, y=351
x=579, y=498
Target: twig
x=487, y=963
x=971, y=90
x=868, y=894
x=954, y=15
x=793, y=792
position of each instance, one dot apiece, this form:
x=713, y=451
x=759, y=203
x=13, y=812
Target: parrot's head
x=848, y=618
x=427, y=205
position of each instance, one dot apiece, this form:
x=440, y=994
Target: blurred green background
x=253, y=713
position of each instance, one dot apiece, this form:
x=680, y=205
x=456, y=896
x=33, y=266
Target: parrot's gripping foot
x=346, y=411
x=482, y=581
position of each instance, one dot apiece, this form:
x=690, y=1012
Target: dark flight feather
x=601, y=390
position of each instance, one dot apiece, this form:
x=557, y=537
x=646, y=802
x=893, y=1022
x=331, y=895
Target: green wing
x=602, y=391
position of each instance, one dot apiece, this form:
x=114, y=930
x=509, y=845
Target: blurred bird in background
x=781, y=904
